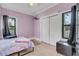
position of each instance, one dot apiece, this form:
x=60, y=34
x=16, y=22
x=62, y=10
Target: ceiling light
x=31, y=4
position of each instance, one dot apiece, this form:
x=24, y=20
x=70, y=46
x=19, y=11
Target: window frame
x=64, y=25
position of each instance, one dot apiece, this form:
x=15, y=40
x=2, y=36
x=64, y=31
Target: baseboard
x=48, y=43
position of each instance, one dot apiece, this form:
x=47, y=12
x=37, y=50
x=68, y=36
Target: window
x=12, y=25
x=66, y=23
x=9, y=27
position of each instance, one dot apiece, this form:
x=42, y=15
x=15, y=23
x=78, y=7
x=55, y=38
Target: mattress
x=9, y=46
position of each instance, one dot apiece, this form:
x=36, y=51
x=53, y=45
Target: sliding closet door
x=44, y=29
x=55, y=28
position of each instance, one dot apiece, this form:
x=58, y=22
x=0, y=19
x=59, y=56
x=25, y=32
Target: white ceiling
x=26, y=8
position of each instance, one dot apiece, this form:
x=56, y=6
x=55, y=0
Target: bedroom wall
x=56, y=9
x=36, y=28
x=25, y=23
x=0, y=25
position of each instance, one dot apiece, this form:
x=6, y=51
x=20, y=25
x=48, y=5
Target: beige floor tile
x=44, y=50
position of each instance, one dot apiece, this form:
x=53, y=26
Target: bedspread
x=9, y=46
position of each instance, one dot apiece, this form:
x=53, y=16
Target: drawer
x=64, y=49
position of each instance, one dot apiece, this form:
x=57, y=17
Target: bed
x=15, y=45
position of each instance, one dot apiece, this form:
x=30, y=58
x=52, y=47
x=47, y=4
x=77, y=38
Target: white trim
x=47, y=8
x=53, y=14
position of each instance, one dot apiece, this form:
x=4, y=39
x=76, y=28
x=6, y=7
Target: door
x=44, y=29
x=55, y=28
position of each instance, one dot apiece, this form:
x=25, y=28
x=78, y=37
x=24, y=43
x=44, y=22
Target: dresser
x=64, y=48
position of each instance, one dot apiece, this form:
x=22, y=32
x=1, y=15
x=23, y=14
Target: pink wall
x=0, y=26
x=56, y=9
x=25, y=23
x=36, y=28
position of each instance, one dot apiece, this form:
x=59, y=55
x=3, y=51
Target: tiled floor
x=44, y=50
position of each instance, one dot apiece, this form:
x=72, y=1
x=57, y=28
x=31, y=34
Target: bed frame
x=22, y=52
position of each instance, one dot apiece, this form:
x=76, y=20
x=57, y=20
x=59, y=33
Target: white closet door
x=55, y=28
x=44, y=29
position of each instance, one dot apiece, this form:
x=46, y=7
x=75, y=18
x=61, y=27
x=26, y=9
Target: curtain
x=6, y=31
x=72, y=37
